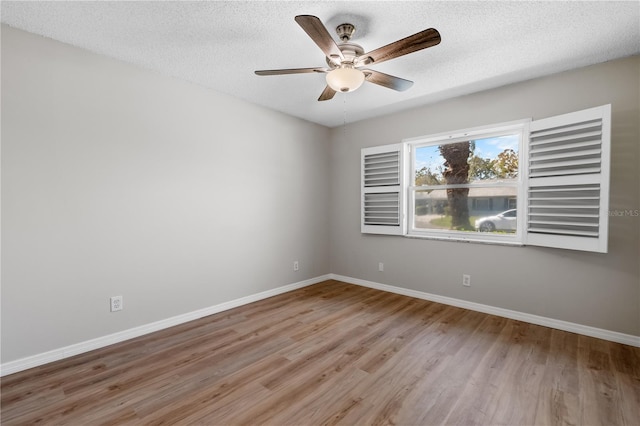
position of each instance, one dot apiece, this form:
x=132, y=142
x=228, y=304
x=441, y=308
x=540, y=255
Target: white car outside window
x=505, y=221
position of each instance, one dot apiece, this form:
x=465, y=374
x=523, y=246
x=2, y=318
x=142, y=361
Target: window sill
x=458, y=239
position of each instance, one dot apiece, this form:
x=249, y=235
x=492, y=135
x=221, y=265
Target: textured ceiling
x=219, y=44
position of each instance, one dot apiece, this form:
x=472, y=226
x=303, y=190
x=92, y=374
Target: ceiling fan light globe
x=345, y=79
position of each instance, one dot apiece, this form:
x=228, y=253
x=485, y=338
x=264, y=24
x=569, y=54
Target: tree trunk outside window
x=456, y=156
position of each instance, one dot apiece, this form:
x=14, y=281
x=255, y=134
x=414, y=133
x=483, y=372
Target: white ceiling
x=219, y=44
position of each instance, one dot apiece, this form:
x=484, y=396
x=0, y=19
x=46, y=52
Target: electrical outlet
x=380, y=266
x=296, y=266
x=466, y=280
x=116, y=303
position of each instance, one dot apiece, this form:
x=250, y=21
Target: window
x=542, y=182
x=462, y=183
x=480, y=204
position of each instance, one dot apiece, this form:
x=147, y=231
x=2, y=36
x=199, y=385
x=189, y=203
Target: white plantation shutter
x=382, y=201
x=568, y=180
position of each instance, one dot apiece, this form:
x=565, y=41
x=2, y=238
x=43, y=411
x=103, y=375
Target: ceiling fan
x=345, y=72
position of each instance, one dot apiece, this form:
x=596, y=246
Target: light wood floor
x=335, y=353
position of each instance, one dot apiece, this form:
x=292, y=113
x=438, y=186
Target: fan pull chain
x=344, y=116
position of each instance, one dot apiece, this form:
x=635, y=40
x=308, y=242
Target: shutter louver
x=382, y=169
x=566, y=150
x=382, y=209
x=567, y=197
x=565, y=210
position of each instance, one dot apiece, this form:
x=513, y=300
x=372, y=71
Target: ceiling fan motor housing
x=350, y=51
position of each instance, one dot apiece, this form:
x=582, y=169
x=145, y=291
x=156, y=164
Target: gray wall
x=119, y=181
x=598, y=290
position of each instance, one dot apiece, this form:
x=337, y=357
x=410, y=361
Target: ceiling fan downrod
x=345, y=31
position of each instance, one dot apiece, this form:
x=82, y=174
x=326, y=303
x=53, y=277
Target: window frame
x=520, y=127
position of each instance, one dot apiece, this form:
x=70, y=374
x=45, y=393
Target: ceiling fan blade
x=413, y=43
x=291, y=71
x=386, y=80
x=319, y=34
x=327, y=94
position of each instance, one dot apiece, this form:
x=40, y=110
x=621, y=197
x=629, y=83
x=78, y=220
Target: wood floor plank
x=312, y=410
x=597, y=383
x=439, y=395
x=518, y=386
x=557, y=401
x=335, y=353
x=626, y=362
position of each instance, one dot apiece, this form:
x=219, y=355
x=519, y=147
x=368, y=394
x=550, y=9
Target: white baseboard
x=612, y=336
x=100, y=342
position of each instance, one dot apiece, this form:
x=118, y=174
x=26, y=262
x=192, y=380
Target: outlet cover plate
x=466, y=280
x=116, y=303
